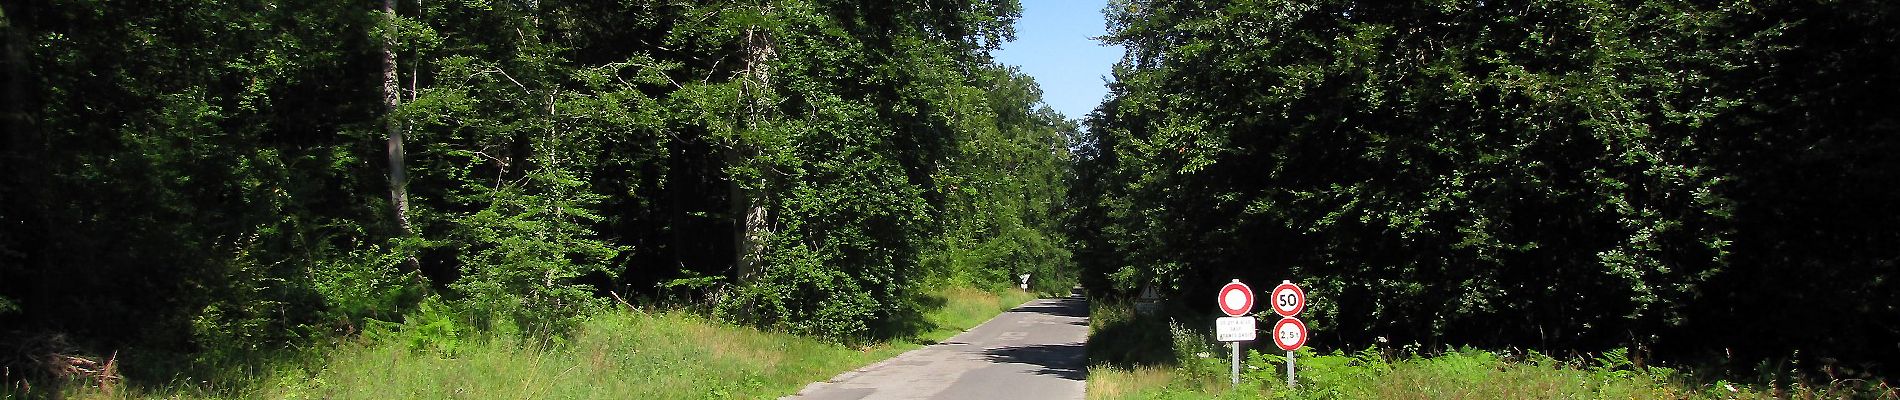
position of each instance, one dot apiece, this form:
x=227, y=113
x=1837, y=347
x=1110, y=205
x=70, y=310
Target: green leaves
x=1492, y=159
x=522, y=252
x=795, y=157
x=1569, y=173
x=1003, y=186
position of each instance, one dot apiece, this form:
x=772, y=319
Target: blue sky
x=1053, y=44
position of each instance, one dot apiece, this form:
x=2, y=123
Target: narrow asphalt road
x=1031, y=352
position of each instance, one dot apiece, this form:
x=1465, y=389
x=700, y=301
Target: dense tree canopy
x=195, y=178
x=200, y=180
x=1546, y=174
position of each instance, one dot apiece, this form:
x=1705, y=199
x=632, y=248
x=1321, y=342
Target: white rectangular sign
x=1234, y=329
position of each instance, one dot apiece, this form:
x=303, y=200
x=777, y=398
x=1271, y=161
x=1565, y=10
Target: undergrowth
x=1150, y=357
x=611, y=353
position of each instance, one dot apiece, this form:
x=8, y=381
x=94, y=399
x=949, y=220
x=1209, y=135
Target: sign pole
x=1236, y=300
x=1290, y=333
x=1236, y=347
x=1289, y=369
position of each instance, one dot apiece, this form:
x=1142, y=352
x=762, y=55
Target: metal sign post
x=1236, y=299
x=1236, y=364
x=1234, y=330
x=1289, y=369
x=1289, y=333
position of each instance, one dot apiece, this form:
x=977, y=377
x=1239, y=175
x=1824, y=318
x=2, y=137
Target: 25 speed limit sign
x=1288, y=299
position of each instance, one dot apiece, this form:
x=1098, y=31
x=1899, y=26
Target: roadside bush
x=432, y=327
x=800, y=294
x=1121, y=338
x=366, y=283
x=522, y=253
x=1473, y=373
x=1202, y=360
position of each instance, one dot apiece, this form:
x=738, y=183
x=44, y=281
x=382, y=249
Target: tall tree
x=393, y=126
x=1586, y=172
x=749, y=180
x=204, y=178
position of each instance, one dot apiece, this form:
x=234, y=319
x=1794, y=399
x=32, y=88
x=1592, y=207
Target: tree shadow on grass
x=1120, y=338
x=911, y=324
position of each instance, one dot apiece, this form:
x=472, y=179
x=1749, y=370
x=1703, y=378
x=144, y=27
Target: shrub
x=798, y=293
x=522, y=253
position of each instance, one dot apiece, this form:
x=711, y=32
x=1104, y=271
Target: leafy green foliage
x=1558, y=174
x=1004, y=187
x=366, y=283
x=177, y=169
x=1200, y=371
x=433, y=328
x=1464, y=373
x=802, y=296
x=524, y=252
x=209, y=181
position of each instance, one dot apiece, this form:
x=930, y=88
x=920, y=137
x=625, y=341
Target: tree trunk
x=392, y=98
x=749, y=224
x=749, y=206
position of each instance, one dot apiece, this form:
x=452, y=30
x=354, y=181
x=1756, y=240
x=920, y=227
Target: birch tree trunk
x=392, y=98
x=749, y=205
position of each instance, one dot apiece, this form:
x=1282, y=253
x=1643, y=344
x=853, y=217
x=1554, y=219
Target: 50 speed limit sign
x=1288, y=299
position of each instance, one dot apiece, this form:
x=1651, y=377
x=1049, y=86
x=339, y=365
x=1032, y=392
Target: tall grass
x=1135, y=357
x=660, y=354
x=958, y=308
x=615, y=355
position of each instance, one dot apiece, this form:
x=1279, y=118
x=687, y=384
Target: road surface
x=1031, y=352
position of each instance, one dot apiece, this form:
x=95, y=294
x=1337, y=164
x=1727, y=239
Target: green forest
x=191, y=180
x=1699, y=181
x=187, y=183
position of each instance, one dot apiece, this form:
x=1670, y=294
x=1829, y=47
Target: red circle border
x=1301, y=293
x=1294, y=321
x=1221, y=298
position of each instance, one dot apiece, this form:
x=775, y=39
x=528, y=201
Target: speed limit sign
x=1289, y=334
x=1288, y=299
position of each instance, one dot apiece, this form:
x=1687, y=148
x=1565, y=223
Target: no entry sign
x=1289, y=334
x=1288, y=299
x=1236, y=299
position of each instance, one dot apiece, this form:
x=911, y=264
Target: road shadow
x=1058, y=360
x=1070, y=307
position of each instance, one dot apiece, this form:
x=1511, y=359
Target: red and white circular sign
x=1236, y=299
x=1288, y=299
x=1289, y=334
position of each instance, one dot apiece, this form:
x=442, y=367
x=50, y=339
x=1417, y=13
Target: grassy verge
x=955, y=309
x=1150, y=358
x=616, y=354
